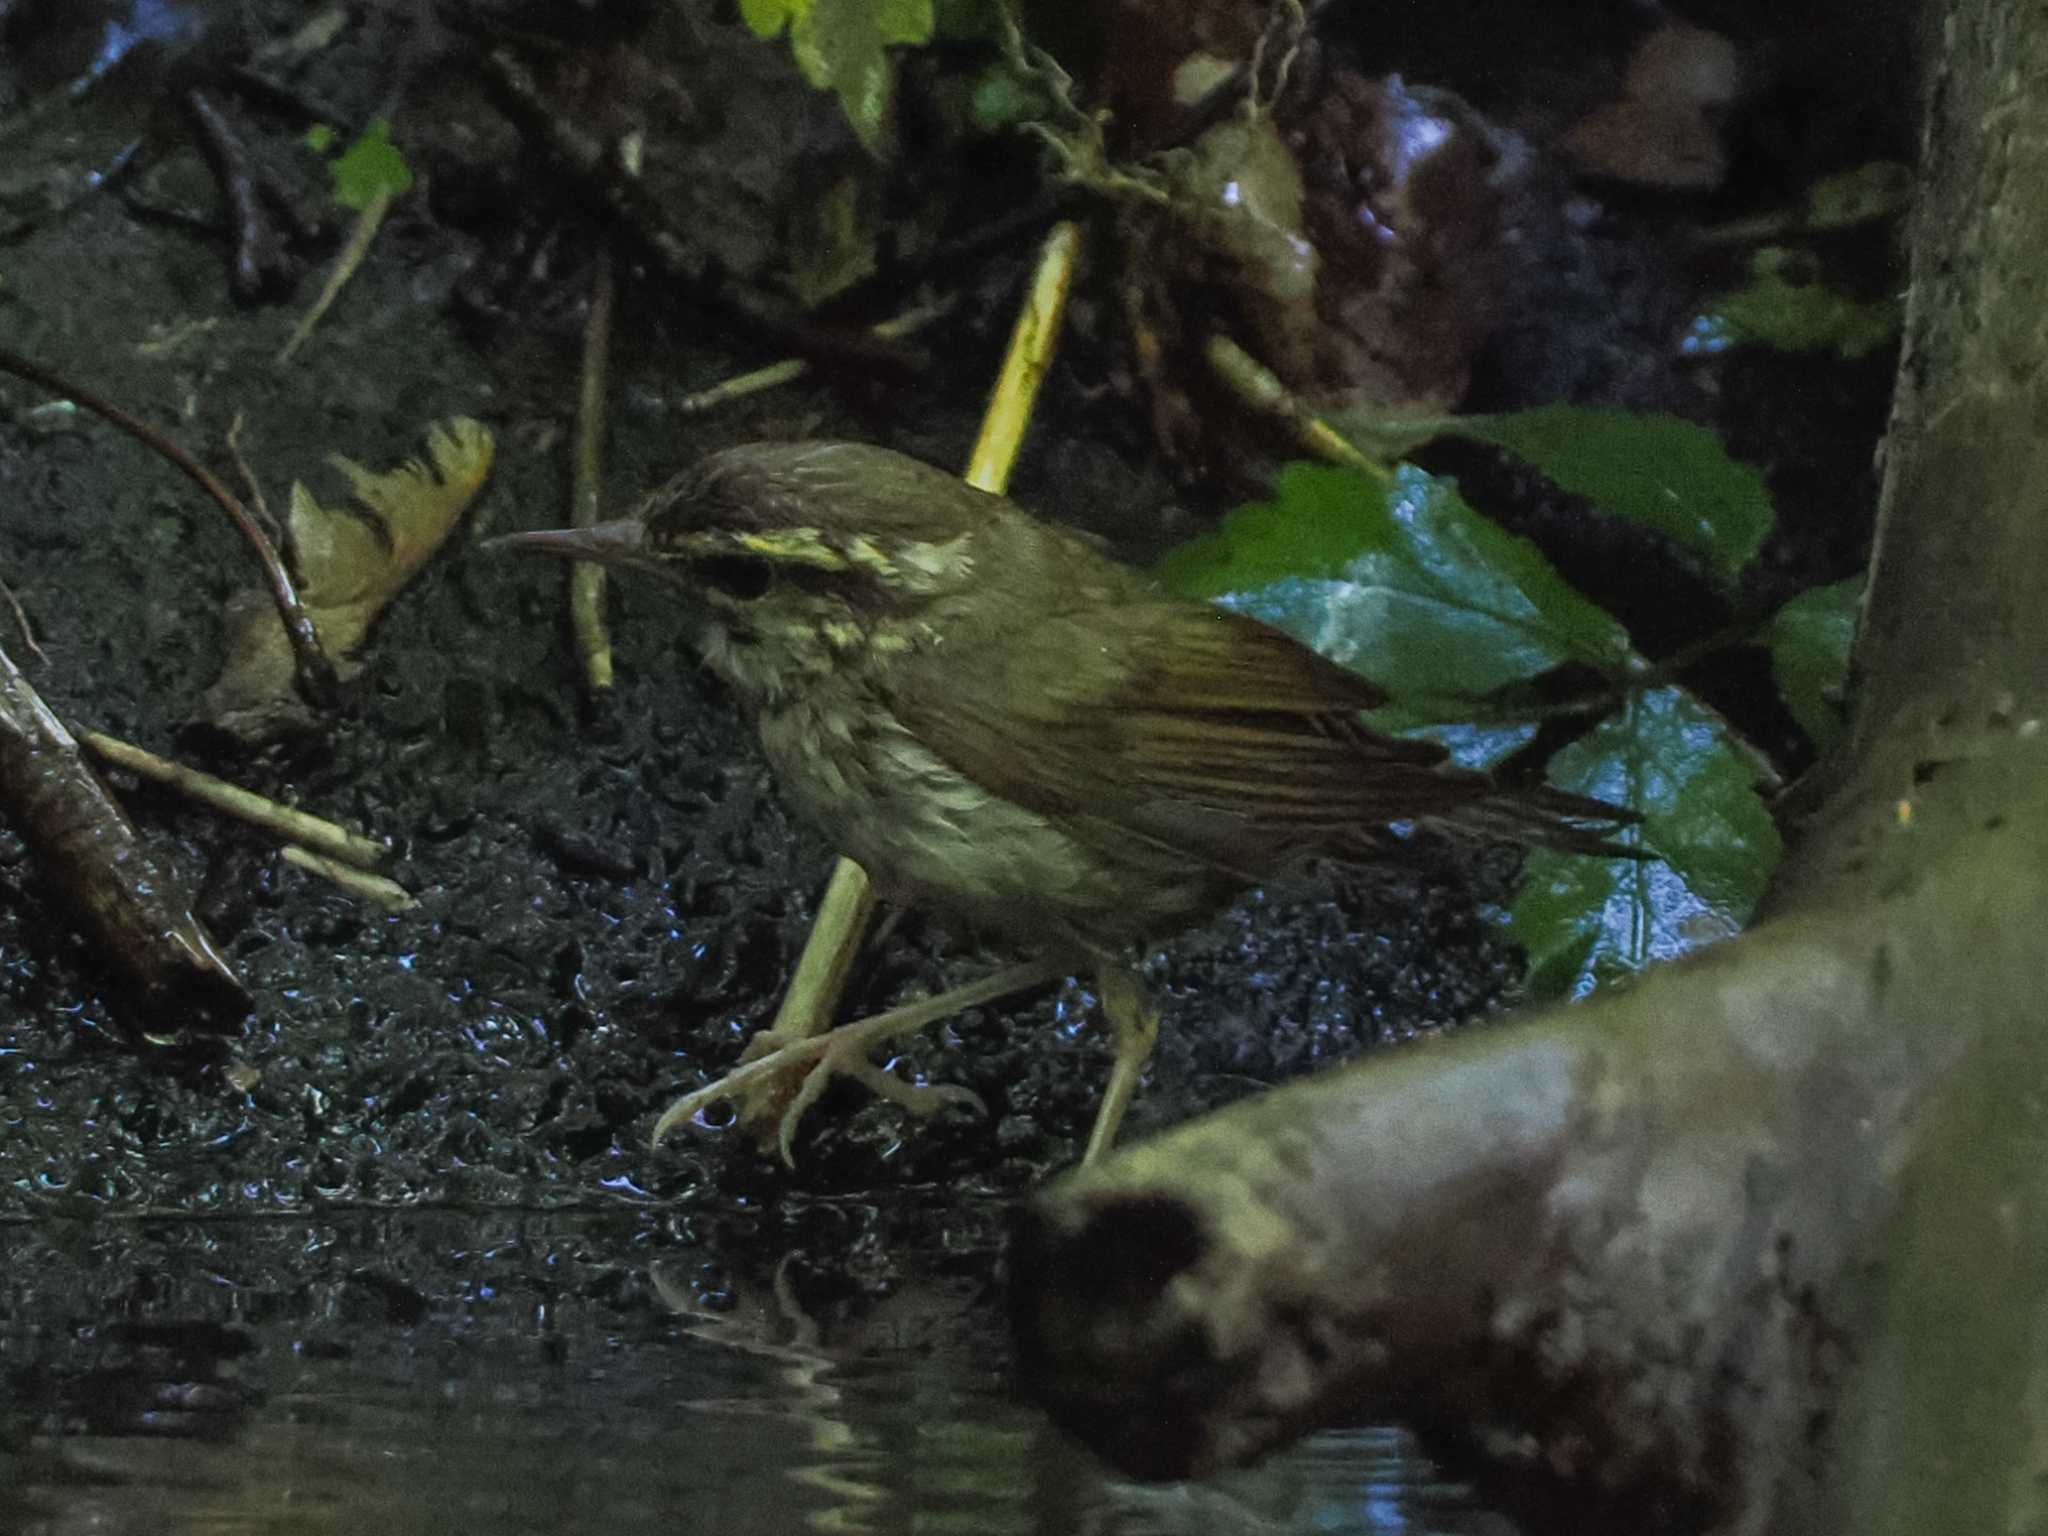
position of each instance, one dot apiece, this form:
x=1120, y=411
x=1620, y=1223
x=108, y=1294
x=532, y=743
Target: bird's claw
x=763, y=1079
x=798, y=1070
x=848, y=1058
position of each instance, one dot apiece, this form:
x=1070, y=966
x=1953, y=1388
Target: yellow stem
x=358, y=247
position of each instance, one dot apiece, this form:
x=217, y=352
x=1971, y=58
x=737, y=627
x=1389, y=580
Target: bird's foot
x=781, y=1076
x=778, y=1086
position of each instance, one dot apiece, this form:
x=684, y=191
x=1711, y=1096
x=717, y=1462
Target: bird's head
x=801, y=559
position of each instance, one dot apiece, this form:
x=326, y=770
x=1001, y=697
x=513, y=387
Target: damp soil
x=429, y=1138
x=609, y=901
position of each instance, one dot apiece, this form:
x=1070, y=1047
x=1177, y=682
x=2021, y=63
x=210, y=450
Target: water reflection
x=393, y=1378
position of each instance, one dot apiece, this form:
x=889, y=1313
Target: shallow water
x=409, y=1375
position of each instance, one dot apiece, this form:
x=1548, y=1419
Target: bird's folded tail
x=1552, y=818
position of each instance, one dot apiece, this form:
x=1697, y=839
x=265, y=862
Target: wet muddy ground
x=606, y=906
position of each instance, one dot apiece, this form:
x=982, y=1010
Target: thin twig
x=1286, y=26
x=316, y=34
x=28, y=634
x=260, y=265
x=1077, y=137
x=587, y=577
x=258, y=506
x=1224, y=97
x=316, y=677
x=790, y=369
x=368, y=222
x=1258, y=387
x=283, y=821
x=952, y=257
x=295, y=100
x=387, y=893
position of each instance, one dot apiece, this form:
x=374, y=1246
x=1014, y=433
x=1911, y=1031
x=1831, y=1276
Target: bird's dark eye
x=741, y=577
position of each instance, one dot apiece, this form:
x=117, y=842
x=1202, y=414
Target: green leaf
x=842, y=46
x=767, y=18
x=370, y=168
x=1471, y=745
x=1658, y=470
x=1784, y=306
x=1401, y=580
x=1677, y=764
x=1809, y=640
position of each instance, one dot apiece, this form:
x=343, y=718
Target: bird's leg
x=821, y=970
x=1136, y=1022
x=814, y=1061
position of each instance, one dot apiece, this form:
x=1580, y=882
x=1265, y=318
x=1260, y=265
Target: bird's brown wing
x=1195, y=728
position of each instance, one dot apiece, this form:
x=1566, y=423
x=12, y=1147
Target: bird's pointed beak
x=621, y=543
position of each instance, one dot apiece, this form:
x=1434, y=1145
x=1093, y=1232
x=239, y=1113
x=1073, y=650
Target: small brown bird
x=1001, y=723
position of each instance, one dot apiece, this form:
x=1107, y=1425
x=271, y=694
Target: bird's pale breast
x=929, y=837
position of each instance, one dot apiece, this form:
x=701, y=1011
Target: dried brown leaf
x=1665, y=128
x=352, y=562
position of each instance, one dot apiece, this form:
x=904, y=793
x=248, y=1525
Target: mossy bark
x=1761, y=1243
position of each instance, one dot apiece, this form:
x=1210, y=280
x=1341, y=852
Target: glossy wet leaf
x=1398, y=578
x=1785, y=306
x=370, y=169
x=1810, y=639
x=842, y=46
x=1675, y=762
x=1470, y=744
x=1658, y=470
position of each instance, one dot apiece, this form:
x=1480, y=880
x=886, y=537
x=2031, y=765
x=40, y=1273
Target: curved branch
x=316, y=675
